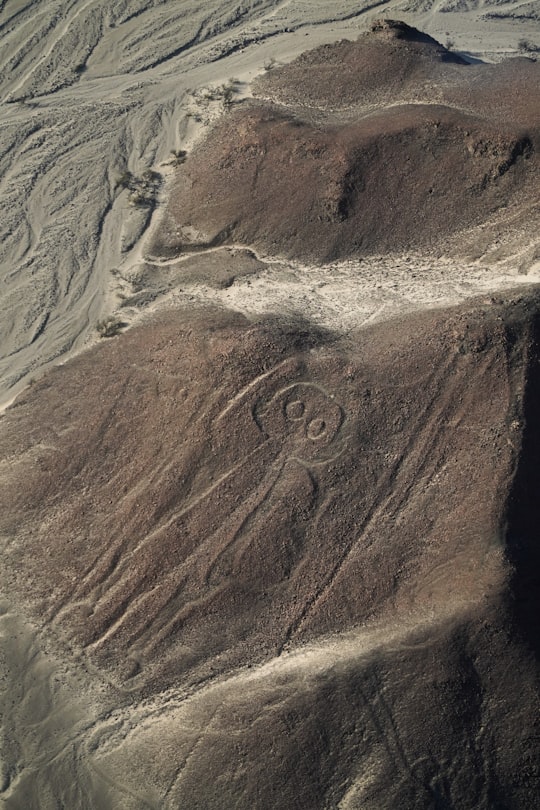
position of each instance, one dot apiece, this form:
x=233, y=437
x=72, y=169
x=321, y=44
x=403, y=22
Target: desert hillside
x=98, y=98
x=388, y=143
x=317, y=553
x=270, y=345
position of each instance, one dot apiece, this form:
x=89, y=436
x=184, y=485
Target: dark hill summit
x=387, y=143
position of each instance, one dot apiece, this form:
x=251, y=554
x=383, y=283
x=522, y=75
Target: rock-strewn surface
x=195, y=501
x=249, y=561
x=387, y=143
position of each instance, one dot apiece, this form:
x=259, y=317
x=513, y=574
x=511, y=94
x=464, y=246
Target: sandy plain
x=90, y=91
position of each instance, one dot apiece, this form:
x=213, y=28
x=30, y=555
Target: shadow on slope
x=523, y=530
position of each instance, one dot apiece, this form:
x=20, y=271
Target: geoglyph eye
x=295, y=410
x=316, y=428
x=304, y=417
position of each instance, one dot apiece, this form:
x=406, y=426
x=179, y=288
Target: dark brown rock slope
x=188, y=505
x=387, y=143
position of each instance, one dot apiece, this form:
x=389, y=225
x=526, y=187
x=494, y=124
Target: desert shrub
x=143, y=190
x=178, y=156
x=526, y=46
x=228, y=91
x=139, y=199
x=124, y=180
x=151, y=178
x=224, y=92
x=109, y=327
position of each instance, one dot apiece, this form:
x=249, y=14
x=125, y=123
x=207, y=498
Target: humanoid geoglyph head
x=305, y=417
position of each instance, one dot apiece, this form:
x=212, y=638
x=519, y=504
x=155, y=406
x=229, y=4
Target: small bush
x=143, y=189
x=151, y=178
x=526, y=46
x=139, y=199
x=109, y=327
x=228, y=91
x=178, y=156
x=125, y=180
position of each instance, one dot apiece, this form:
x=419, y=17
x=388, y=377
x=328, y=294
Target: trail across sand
x=341, y=295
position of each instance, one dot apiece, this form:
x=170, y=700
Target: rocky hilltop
x=388, y=143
